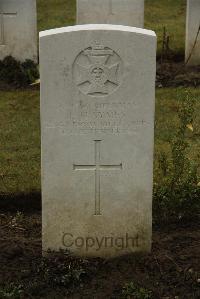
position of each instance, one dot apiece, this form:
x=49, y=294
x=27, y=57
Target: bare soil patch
x=170, y=74
x=172, y=270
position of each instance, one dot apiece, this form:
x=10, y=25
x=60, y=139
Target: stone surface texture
x=192, y=27
x=97, y=121
x=120, y=12
x=18, y=29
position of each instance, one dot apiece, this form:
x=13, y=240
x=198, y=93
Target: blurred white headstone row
x=18, y=24
x=18, y=29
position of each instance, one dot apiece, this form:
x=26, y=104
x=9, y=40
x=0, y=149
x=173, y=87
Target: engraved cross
x=97, y=167
x=2, y=14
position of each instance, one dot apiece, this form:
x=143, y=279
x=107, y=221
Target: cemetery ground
x=172, y=269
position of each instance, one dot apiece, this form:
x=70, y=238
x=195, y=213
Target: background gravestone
x=126, y=12
x=18, y=29
x=192, y=28
x=97, y=119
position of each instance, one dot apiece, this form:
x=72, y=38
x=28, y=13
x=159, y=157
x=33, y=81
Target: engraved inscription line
x=2, y=14
x=97, y=167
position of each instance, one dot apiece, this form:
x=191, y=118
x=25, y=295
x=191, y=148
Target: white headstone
x=97, y=120
x=18, y=29
x=192, y=50
x=121, y=12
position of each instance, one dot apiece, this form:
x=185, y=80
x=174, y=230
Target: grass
x=20, y=137
x=172, y=15
x=176, y=160
x=158, y=13
x=168, y=104
x=55, y=13
x=20, y=142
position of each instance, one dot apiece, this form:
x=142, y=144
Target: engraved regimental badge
x=97, y=71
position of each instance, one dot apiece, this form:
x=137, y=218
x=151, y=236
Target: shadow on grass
x=25, y=202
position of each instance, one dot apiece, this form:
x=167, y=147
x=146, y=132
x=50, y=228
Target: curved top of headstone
x=96, y=27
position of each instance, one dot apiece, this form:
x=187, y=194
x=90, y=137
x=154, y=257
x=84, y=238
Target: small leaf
x=190, y=127
x=198, y=184
x=37, y=82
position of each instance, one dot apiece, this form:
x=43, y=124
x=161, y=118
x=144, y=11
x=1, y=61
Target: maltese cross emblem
x=97, y=71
